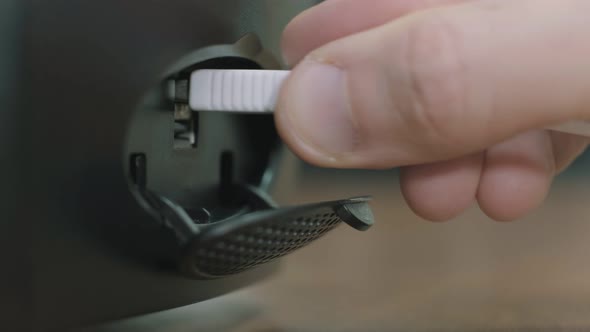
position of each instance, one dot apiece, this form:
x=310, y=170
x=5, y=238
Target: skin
x=455, y=92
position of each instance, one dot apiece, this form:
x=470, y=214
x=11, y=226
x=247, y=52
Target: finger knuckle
x=437, y=77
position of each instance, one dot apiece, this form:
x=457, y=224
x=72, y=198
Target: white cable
x=257, y=91
x=254, y=91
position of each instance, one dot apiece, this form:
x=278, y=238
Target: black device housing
x=108, y=200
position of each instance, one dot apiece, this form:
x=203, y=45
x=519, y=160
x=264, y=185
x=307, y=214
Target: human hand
x=454, y=91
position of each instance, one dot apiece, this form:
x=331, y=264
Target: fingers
x=513, y=180
x=517, y=176
x=439, y=84
x=441, y=191
x=333, y=20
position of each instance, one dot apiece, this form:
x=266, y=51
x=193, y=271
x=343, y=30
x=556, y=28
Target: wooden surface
x=409, y=275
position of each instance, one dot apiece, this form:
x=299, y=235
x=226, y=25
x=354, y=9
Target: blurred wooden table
x=410, y=275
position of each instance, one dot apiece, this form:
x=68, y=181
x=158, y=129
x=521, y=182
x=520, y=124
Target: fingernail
x=318, y=108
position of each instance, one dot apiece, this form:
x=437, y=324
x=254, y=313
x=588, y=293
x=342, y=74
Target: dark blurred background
x=408, y=274
x=580, y=166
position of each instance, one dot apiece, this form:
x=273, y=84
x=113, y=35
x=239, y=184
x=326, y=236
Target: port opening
x=206, y=153
x=186, y=122
x=186, y=128
x=182, y=166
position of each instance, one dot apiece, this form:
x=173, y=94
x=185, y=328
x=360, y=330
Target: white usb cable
x=257, y=91
x=254, y=91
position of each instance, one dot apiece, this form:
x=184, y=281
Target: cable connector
x=254, y=91
x=257, y=91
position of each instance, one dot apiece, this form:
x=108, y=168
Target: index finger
x=334, y=19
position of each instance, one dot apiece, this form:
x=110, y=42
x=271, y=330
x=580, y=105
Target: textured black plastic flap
x=260, y=234
x=256, y=238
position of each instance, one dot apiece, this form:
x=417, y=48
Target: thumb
x=439, y=84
